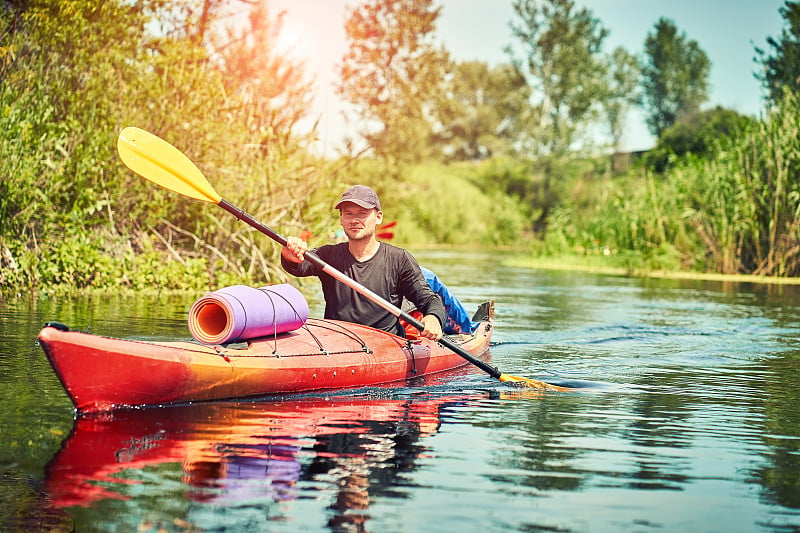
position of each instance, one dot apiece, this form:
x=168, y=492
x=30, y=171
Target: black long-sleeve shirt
x=392, y=273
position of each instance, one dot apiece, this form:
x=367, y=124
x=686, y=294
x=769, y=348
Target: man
x=386, y=270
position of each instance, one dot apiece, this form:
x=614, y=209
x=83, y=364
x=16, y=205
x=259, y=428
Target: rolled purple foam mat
x=240, y=312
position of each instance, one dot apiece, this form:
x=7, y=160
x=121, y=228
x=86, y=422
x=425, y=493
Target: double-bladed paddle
x=158, y=161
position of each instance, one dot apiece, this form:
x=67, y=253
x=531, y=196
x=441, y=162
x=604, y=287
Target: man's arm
x=293, y=258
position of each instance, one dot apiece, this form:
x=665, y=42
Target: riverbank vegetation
x=461, y=153
x=732, y=210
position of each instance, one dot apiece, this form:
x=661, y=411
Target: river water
x=685, y=417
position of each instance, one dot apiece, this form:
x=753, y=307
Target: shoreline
x=560, y=264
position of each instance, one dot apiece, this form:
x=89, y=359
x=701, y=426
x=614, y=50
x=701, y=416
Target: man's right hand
x=294, y=250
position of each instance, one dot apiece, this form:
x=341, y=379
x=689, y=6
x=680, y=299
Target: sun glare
x=310, y=32
x=292, y=41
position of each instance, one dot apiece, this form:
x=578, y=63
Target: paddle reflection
x=343, y=449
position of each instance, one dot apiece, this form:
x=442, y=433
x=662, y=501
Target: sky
x=726, y=30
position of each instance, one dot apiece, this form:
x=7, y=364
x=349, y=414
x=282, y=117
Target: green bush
x=439, y=204
x=695, y=134
x=72, y=75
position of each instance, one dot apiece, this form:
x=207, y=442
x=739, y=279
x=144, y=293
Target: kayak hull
x=100, y=373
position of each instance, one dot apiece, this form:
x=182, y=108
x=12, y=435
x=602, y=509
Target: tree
x=623, y=94
x=674, y=76
x=780, y=68
x=392, y=74
x=482, y=112
x=271, y=86
x=562, y=63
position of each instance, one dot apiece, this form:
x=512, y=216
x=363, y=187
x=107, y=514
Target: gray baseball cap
x=360, y=195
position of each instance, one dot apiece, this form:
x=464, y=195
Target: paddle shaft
x=353, y=284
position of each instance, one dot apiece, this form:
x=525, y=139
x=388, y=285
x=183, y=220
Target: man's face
x=359, y=222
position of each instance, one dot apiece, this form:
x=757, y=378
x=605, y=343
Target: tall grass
x=630, y=222
x=733, y=211
x=744, y=202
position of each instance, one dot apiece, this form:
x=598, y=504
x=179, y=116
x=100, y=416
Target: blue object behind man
x=457, y=320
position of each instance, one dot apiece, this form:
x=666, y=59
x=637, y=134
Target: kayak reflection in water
x=357, y=466
x=343, y=452
x=238, y=466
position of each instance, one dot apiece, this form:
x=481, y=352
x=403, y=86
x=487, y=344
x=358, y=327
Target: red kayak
x=101, y=373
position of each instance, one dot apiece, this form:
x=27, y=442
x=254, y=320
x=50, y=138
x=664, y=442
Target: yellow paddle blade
x=530, y=383
x=163, y=164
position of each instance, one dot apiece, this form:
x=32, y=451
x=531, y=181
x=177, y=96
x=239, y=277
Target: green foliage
x=149, y=271
x=563, y=63
x=735, y=209
x=624, y=71
x=696, y=134
x=481, y=217
x=474, y=214
x=73, y=74
x=782, y=63
x=517, y=179
x=674, y=76
x=629, y=222
x=561, y=58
